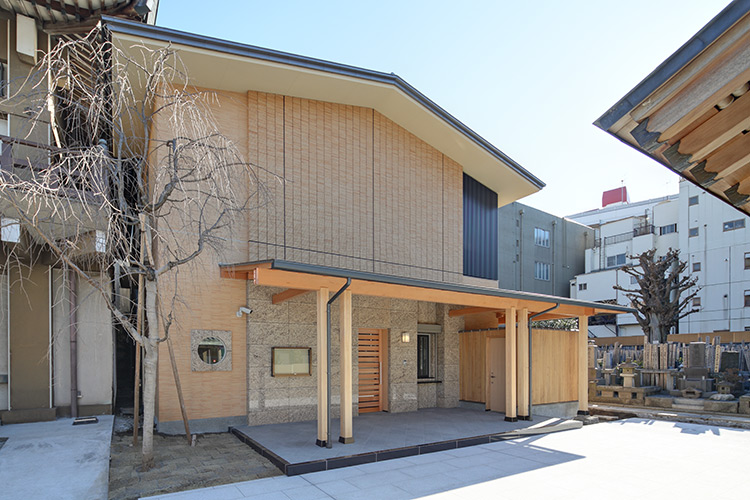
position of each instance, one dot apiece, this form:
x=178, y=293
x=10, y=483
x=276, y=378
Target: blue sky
x=530, y=77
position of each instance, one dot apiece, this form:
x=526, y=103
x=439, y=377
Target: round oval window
x=211, y=350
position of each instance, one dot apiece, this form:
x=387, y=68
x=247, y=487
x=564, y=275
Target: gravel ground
x=214, y=460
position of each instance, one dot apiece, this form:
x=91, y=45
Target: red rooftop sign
x=619, y=195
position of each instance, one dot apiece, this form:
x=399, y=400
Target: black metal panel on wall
x=480, y=230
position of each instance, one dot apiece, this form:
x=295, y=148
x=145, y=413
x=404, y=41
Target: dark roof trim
x=667, y=69
x=208, y=43
x=285, y=265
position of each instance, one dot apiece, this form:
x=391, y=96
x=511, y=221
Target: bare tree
x=109, y=196
x=663, y=292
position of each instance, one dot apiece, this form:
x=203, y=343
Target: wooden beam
x=583, y=368
x=290, y=293
x=718, y=130
x=511, y=401
x=522, y=357
x=303, y=281
x=322, y=356
x=345, y=373
x=734, y=155
x=470, y=310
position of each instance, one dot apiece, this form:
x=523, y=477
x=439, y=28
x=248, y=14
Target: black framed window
x=425, y=354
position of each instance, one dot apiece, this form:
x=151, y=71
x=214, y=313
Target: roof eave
x=208, y=43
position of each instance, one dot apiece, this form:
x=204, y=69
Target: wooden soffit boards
x=697, y=122
x=264, y=274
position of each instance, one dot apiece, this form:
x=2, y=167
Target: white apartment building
x=713, y=238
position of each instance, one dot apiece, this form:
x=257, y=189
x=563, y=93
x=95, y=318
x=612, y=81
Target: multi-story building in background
x=711, y=236
x=538, y=251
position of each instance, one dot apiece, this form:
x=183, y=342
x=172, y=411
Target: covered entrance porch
x=286, y=280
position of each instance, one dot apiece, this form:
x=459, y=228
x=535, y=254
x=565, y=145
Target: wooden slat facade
x=554, y=365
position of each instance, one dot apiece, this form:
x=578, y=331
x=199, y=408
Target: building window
x=671, y=228
x=541, y=237
x=633, y=280
x=734, y=224
x=480, y=230
x=696, y=267
x=426, y=355
x=747, y=260
x=583, y=286
x=541, y=271
x=747, y=298
x=616, y=260
x=696, y=302
x=693, y=231
x=693, y=200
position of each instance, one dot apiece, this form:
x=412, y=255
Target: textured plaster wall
x=293, y=324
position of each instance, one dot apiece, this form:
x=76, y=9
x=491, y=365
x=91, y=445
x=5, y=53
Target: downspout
x=328, y=359
x=531, y=318
x=73, y=326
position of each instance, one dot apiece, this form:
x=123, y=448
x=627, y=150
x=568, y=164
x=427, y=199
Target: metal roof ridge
x=679, y=59
x=246, y=50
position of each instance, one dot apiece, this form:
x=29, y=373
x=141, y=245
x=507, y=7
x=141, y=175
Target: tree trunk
x=150, y=358
x=655, y=331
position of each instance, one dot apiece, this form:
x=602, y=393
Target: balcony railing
x=51, y=168
x=643, y=229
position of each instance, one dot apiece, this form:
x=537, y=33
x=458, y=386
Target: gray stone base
x=557, y=410
x=721, y=406
x=201, y=425
x=659, y=401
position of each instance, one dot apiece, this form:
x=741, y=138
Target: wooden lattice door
x=372, y=364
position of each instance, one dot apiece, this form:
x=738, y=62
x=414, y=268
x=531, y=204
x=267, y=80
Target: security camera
x=242, y=310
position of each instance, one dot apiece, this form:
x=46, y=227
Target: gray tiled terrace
x=373, y=432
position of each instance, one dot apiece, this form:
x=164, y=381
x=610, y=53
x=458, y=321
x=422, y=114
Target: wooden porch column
x=345, y=373
x=322, y=375
x=583, y=368
x=511, y=397
x=523, y=365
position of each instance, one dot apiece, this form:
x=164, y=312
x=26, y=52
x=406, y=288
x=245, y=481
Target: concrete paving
x=55, y=460
x=634, y=458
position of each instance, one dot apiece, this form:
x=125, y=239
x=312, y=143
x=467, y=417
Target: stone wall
x=293, y=324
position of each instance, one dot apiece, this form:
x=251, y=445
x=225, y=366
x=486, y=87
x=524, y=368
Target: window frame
x=668, y=229
x=542, y=237
x=542, y=271
x=693, y=200
x=619, y=260
x=696, y=302
x=747, y=298
x=696, y=267
x=583, y=286
x=430, y=341
x=693, y=232
x=733, y=225
x=747, y=260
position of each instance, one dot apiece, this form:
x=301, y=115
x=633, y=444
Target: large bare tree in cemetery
x=663, y=293
x=110, y=196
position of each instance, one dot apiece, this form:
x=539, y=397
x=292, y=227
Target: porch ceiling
x=298, y=276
